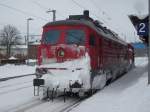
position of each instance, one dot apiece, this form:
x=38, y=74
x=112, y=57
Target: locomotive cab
x=63, y=59
x=62, y=43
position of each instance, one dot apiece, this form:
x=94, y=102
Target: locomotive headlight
x=40, y=71
x=61, y=53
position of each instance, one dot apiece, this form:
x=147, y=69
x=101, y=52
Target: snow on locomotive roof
x=101, y=30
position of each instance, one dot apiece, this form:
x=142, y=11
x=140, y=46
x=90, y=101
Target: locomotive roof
x=100, y=30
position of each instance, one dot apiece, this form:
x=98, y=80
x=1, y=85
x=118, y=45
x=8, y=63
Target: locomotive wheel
x=81, y=94
x=99, y=82
x=109, y=78
x=43, y=94
x=90, y=92
x=103, y=79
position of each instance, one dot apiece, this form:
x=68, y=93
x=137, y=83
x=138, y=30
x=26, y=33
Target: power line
x=95, y=5
x=39, y=5
x=44, y=8
x=22, y=12
x=91, y=11
x=105, y=22
x=84, y=8
x=103, y=12
x=78, y=4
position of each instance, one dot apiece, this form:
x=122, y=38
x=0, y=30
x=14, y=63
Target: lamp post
x=27, y=42
x=54, y=13
x=149, y=52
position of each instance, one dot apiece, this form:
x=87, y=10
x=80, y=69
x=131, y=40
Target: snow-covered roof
x=12, y=58
x=20, y=46
x=35, y=43
x=15, y=46
x=35, y=38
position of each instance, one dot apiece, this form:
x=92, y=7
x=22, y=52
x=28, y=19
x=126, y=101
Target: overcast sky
x=113, y=13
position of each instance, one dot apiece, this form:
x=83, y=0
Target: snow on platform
x=11, y=70
x=130, y=93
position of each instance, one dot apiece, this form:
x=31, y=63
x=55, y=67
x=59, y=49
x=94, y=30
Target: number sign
x=142, y=29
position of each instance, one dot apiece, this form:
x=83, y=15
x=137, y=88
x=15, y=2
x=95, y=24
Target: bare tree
x=9, y=36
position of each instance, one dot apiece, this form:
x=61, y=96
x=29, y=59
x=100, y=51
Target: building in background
x=22, y=51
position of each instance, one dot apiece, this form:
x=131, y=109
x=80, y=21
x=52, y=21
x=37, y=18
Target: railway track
x=20, y=85
x=10, y=85
x=14, y=90
x=27, y=105
x=8, y=78
x=34, y=104
x=15, y=85
x=70, y=107
x=58, y=105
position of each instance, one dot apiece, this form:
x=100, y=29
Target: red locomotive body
x=71, y=39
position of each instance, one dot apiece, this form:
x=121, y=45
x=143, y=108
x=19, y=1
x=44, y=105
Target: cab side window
x=92, y=40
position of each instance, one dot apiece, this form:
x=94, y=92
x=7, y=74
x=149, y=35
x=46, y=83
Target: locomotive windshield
x=72, y=36
x=75, y=36
x=51, y=37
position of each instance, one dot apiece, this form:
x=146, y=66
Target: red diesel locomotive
x=77, y=38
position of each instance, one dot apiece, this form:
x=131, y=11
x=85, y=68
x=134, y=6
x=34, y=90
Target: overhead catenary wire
x=108, y=18
x=22, y=12
x=45, y=8
x=103, y=12
x=105, y=22
x=99, y=10
x=39, y=5
x=78, y=4
x=82, y=7
x=100, y=19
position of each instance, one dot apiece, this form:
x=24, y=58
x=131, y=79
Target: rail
x=8, y=78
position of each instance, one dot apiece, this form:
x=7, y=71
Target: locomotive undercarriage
x=77, y=88
x=47, y=92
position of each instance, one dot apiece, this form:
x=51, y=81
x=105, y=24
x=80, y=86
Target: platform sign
x=142, y=29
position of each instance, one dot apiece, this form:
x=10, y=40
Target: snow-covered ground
x=15, y=92
x=11, y=70
x=16, y=95
x=130, y=93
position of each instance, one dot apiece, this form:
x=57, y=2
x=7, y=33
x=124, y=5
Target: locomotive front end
x=63, y=61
